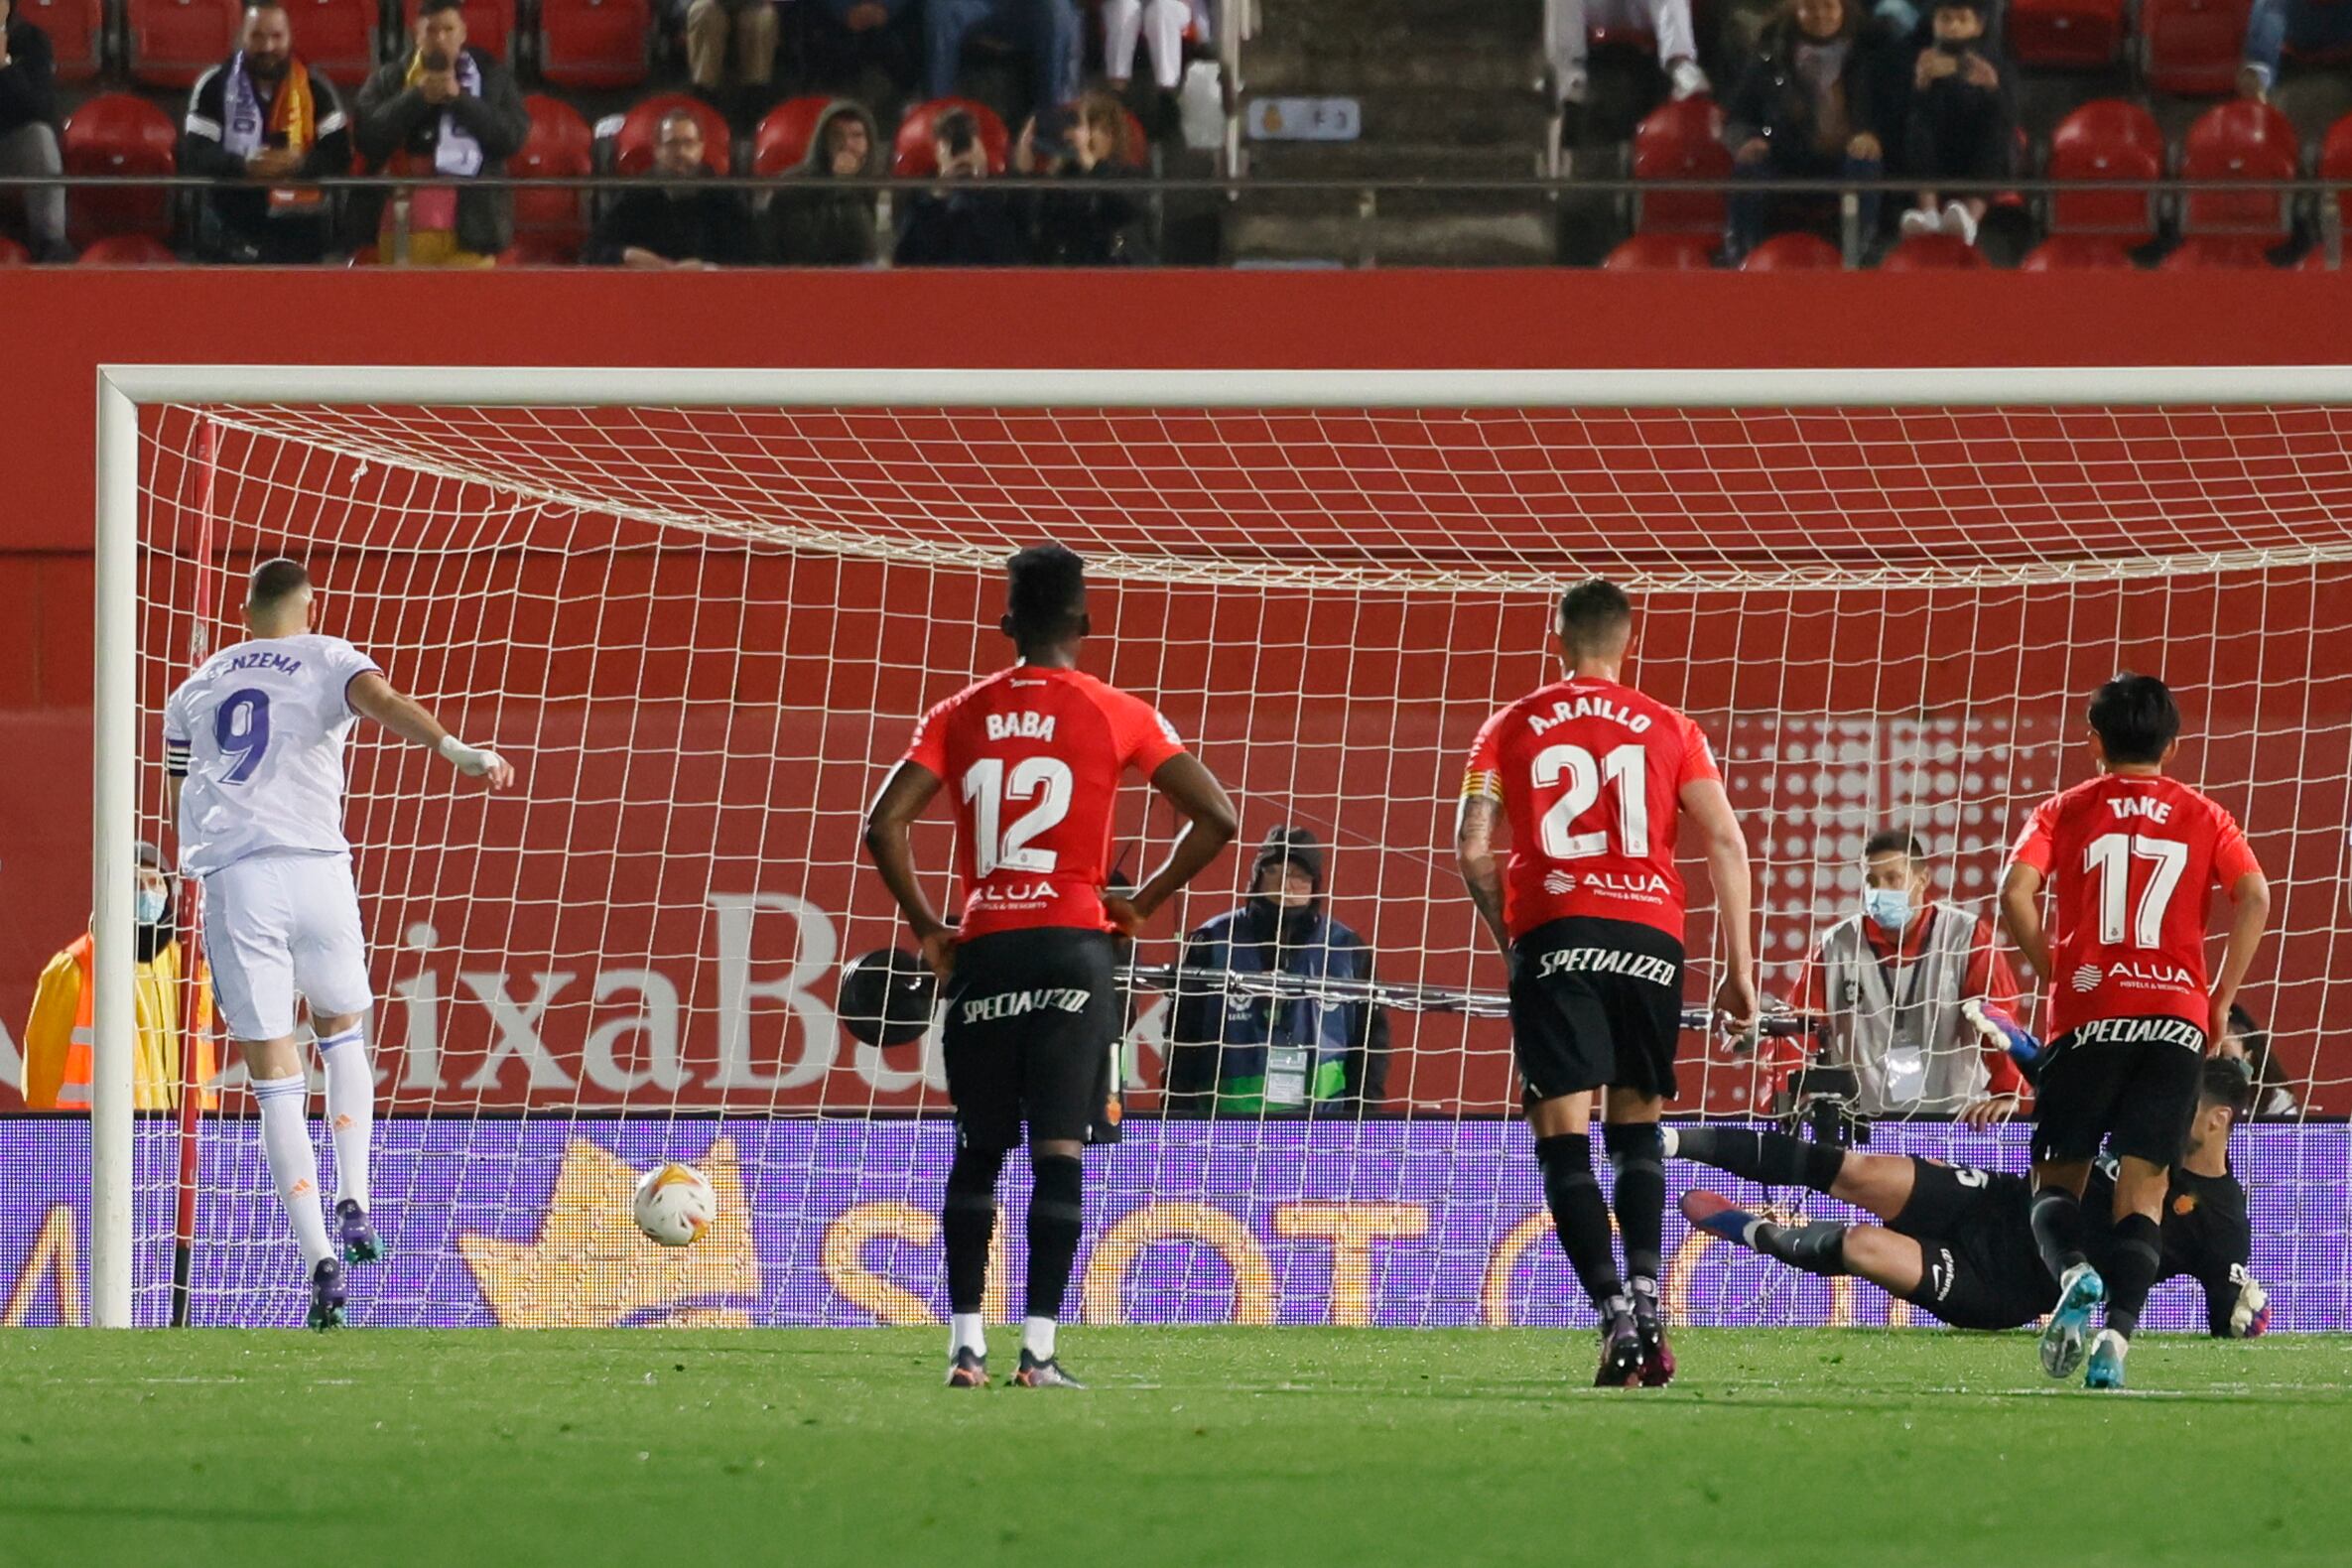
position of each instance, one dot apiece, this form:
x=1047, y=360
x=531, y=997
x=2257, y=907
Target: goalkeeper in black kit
x=1958, y=1241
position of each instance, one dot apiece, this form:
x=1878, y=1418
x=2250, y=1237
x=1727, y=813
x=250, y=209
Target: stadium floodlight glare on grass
x=1885, y=592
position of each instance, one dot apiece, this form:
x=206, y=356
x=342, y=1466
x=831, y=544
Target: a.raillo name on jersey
x=1608, y=960
x=1013, y=1003
x=1589, y=705
x=1022, y=725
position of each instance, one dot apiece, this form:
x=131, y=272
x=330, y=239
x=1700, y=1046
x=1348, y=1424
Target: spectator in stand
x=844, y=39
x=1810, y=106
x=1230, y=1051
x=2321, y=28
x=450, y=113
x=58, y=1038
x=1887, y=985
x=956, y=224
x=1159, y=27
x=680, y=223
x=813, y=222
x=263, y=120
x=1093, y=223
x=28, y=129
x=1047, y=29
x=1669, y=21
x=1963, y=119
x=750, y=26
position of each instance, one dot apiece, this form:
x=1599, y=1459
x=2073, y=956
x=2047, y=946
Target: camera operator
x=1887, y=985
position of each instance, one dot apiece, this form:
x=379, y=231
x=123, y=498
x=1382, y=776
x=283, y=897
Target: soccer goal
x=699, y=612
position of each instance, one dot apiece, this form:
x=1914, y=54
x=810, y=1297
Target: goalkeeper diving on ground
x=1958, y=1241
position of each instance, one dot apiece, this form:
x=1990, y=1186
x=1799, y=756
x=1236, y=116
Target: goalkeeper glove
x=473, y=761
x=1999, y=1028
x=2250, y=1314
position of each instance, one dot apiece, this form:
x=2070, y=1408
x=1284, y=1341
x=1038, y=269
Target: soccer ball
x=675, y=1204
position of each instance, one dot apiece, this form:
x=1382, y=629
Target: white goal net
x=702, y=633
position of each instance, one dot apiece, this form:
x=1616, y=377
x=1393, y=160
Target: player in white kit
x=253, y=744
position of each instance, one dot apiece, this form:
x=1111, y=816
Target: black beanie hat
x=1295, y=845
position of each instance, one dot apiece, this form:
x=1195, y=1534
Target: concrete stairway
x=1449, y=92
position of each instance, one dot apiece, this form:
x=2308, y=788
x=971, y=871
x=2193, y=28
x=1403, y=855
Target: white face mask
x=1890, y=907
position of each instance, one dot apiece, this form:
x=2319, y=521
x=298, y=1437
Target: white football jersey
x=259, y=733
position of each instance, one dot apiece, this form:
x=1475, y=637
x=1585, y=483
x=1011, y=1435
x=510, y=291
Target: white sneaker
x=1688, y=81
x=1918, y=220
x=1959, y=222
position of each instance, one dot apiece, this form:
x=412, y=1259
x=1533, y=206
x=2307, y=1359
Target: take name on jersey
x=2132, y=863
x=1032, y=759
x=1590, y=775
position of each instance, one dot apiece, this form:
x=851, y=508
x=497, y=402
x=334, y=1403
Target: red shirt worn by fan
x=1590, y=774
x=2132, y=861
x=1034, y=756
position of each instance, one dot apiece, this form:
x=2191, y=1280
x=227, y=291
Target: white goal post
x=125, y=390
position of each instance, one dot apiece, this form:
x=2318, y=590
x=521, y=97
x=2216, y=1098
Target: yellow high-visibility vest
x=58, y=1038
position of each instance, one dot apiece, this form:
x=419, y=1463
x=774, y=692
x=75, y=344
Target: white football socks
x=294, y=1164
x=350, y=1108
x=1037, y=1338
x=965, y=1332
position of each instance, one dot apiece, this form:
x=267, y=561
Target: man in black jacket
x=812, y=222
x=678, y=223
x=959, y=224
x=447, y=113
x=28, y=134
x=265, y=121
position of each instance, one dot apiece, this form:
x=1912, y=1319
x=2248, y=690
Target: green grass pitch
x=1195, y=1446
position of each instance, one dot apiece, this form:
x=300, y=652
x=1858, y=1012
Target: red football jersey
x=2132, y=863
x=1590, y=774
x=1033, y=758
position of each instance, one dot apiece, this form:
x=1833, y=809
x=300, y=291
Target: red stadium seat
x=1663, y=254
x=77, y=32
x=1932, y=253
x=2192, y=46
x=121, y=134
x=911, y=154
x=129, y=250
x=1797, y=252
x=782, y=140
x=2205, y=252
x=594, y=43
x=2335, y=162
x=559, y=146
x=174, y=42
x=632, y=144
x=2107, y=139
x=538, y=252
x=2064, y=35
x=2239, y=140
x=489, y=26
x=1681, y=141
x=13, y=254
x=337, y=37
x=2075, y=253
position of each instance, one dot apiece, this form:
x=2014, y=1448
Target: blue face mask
x=152, y=903
x=1890, y=907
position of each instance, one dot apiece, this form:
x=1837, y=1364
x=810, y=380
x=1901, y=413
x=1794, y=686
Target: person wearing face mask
x=1889, y=983
x=58, y=1038
x=1232, y=1051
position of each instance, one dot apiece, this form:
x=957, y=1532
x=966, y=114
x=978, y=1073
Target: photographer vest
x=1899, y=1024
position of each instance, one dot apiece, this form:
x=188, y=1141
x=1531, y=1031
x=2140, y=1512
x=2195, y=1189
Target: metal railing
x=2307, y=210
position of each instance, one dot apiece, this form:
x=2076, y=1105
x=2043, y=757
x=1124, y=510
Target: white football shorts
x=278, y=925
